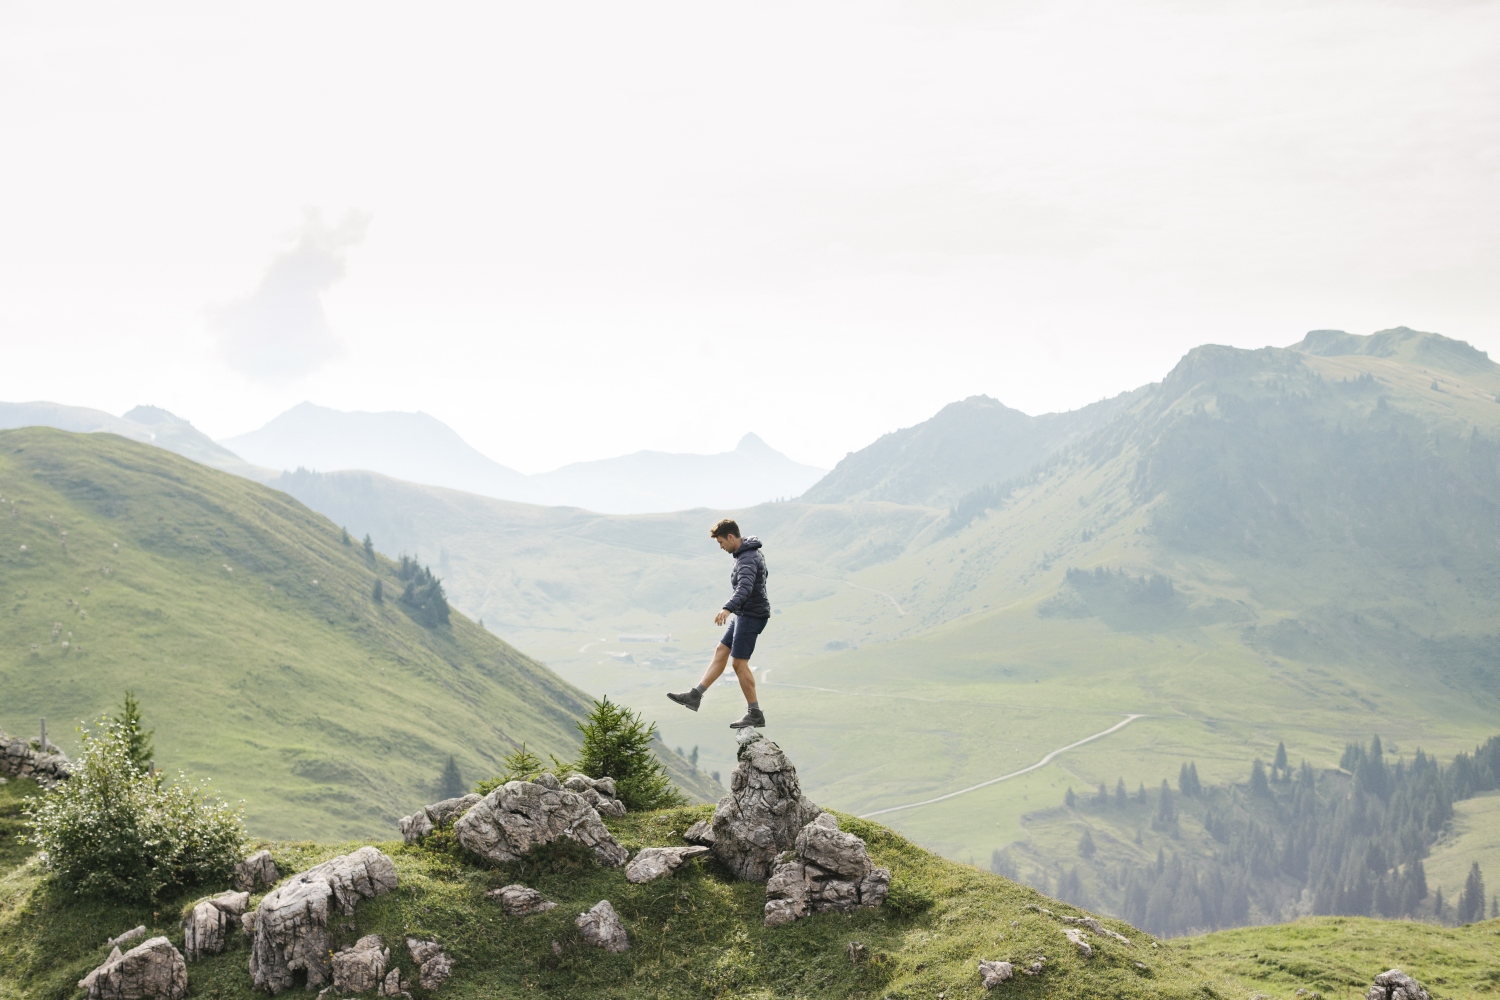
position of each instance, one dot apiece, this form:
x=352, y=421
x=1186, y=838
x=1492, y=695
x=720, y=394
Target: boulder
x=422, y=822
x=152, y=969
x=130, y=935
x=257, y=871
x=360, y=967
x=19, y=759
x=830, y=870
x=1396, y=985
x=600, y=793
x=992, y=974
x=601, y=927
x=520, y=901
x=291, y=923
x=394, y=986
x=1098, y=928
x=520, y=815
x=701, y=832
x=434, y=964
x=763, y=812
x=655, y=862
x=206, y=927
x=1076, y=939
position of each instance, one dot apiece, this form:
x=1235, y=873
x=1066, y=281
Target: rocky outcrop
x=600, y=793
x=205, y=929
x=19, y=759
x=422, y=822
x=763, y=812
x=992, y=974
x=130, y=935
x=153, y=969
x=1076, y=939
x=829, y=870
x=434, y=964
x=1098, y=928
x=257, y=871
x=520, y=815
x=601, y=927
x=360, y=967
x=291, y=923
x=655, y=862
x=1396, y=985
x=701, y=832
x=520, y=901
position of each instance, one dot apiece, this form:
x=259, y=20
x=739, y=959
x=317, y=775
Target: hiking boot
x=688, y=699
x=752, y=719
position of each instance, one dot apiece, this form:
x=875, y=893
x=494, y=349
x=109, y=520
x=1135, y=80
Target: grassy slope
x=700, y=935
x=989, y=661
x=247, y=629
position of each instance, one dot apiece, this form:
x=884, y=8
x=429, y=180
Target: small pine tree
x=1280, y=764
x=1437, y=905
x=137, y=740
x=693, y=757
x=1258, y=783
x=1121, y=796
x=1494, y=906
x=369, y=550
x=1101, y=798
x=1184, y=781
x=1140, y=793
x=344, y=536
x=1070, y=800
x=1471, y=900
x=451, y=784
x=618, y=744
x=1193, y=773
x=1086, y=848
x=378, y=594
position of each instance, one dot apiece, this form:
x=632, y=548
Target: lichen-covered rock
x=520, y=815
x=600, y=793
x=830, y=870
x=360, y=967
x=655, y=862
x=434, y=964
x=763, y=812
x=992, y=974
x=153, y=969
x=701, y=832
x=422, y=822
x=257, y=871
x=206, y=927
x=291, y=923
x=520, y=901
x=601, y=927
x=1396, y=985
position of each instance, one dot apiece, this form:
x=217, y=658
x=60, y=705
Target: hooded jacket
x=748, y=578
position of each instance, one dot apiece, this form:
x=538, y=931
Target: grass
x=246, y=626
x=699, y=934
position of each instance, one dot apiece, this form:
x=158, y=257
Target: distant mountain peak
x=148, y=415
x=752, y=442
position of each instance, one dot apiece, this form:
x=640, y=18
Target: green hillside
x=700, y=934
x=246, y=625
x=1320, y=522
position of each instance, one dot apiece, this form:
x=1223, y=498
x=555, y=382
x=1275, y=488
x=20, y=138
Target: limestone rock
x=360, y=967
x=992, y=974
x=520, y=815
x=257, y=871
x=1098, y=928
x=291, y=924
x=654, y=862
x=392, y=986
x=434, y=964
x=701, y=832
x=19, y=759
x=763, y=812
x=1076, y=939
x=130, y=935
x=422, y=822
x=1396, y=985
x=601, y=927
x=206, y=927
x=600, y=793
x=830, y=870
x=153, y=969
x=520, y=901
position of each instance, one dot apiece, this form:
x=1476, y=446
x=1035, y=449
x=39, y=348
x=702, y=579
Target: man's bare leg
x=747, y=679
x=692, y=699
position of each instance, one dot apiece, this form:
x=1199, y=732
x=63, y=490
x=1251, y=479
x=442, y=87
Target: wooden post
x=44, y=736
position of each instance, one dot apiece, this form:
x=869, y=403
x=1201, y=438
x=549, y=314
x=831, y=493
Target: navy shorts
x=742, y=635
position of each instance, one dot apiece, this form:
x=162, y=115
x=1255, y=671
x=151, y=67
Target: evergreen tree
x=1279, y=765
x=423, y=597
x=137, y=740
x=369, y=551
x=1165, y=820
x=1184, y=783
x=451, y=784
x=1471, y=900
x=1070, y=801
x=1086, y=849
x=1121, y=797
x=618, y=744
x=1002, y=864
x=344, y=536
x=1437, y=905
x=378, y=594
x=1258, y=783
x=1140, y=793
x=693, y=757
x=1101, y=798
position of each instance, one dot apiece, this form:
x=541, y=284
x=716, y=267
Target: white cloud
x=280, y=332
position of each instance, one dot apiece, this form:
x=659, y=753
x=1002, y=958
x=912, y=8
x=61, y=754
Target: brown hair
x=724, y=529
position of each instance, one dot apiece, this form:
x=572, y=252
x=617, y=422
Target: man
x=751, y=610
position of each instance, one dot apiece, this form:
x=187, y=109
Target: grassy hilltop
x=246, y=625
x=1321, y=521
x=699, y=934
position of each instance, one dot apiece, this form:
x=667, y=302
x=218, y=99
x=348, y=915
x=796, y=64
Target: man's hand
x=721, y=617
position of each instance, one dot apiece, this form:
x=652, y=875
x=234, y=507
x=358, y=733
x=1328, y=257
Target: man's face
x=729, y=543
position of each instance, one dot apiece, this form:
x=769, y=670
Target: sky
x=575, y=230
